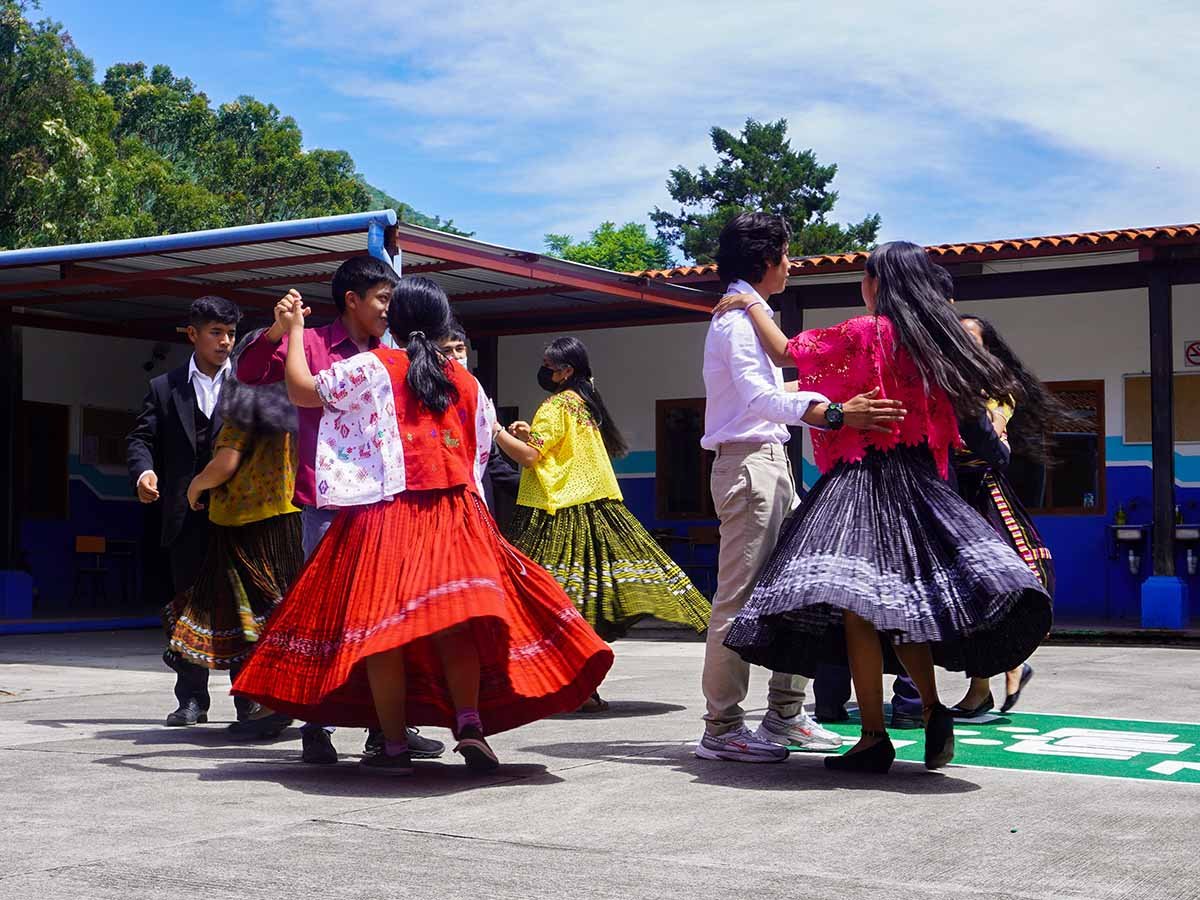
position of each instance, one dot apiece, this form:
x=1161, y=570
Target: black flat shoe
x=264, y=728
x=188, y=713
x=985, y=707
x=1010, y=700
x=939, y=737
x=875, y=760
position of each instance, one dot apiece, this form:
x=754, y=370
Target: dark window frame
x=1097, y=386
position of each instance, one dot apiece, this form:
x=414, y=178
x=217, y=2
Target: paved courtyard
x=98, y=800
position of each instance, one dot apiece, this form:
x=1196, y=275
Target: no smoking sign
x=1191, y=353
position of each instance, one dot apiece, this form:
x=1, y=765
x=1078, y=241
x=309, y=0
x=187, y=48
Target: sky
x=954, y=121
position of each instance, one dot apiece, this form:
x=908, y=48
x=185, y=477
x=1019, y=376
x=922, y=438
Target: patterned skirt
x=247, y=569
x=889, y=540
x=396, y=575
x=610, y=566
x=989, y=492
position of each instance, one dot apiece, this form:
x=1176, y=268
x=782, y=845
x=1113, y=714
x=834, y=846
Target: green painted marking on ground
x=1070, y=745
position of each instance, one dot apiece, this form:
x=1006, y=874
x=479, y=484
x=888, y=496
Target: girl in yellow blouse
x=570, y=514
x=254, y=548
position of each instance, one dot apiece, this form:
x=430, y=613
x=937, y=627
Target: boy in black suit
x=169, y=445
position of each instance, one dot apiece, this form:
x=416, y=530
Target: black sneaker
x=318, y=747
x=422, y=747
x=264, y=728
x=399, y=764
x=475, y=751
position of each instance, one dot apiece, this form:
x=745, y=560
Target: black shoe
x=399, y=764
x=985, y=707
x=422, y=747
x=375, y=742
x=475, y=751
x=318, y=747
x=832, y=714
x=247, y=712
x=1010, y=700
x=188, y=713
x=263, y=728
x=875, y=760
x=905, y=720
x=939, y=737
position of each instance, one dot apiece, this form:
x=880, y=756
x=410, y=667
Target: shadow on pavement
x=802, y=772
x=626, y=709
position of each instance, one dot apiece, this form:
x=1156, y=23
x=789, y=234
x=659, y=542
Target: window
x=1075, y=483
x=102, y=434
x=682, y=467
x=1187, y=408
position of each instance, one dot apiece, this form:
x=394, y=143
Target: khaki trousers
x=753, y=493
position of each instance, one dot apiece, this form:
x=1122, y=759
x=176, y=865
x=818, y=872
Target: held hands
x=521, y=431
x=290, y=313
x=735, y=301
x=193, y=496
x=867, y=413
x=147, y=488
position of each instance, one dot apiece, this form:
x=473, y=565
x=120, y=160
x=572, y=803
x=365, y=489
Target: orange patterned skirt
x=396, y=575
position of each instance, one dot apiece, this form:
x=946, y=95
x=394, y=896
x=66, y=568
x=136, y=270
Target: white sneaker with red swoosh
x=740, y=745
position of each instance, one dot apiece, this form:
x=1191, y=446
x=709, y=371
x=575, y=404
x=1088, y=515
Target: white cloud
x=1004, y=119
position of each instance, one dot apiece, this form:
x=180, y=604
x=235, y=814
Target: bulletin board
x=1138, y=415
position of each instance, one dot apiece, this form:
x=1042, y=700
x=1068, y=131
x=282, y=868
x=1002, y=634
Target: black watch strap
x=835, y=417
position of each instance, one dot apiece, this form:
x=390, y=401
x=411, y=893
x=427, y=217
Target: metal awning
x=143, y=287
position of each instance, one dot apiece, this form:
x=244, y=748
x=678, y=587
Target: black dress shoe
x=832, y=714
x=1010, y=700
x=986, y=706
x=264, y=728
x=318, y=748
x=188, y=713
x=875, y=760
x=939, y=737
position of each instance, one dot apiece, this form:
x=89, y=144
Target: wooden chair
x=90, y=567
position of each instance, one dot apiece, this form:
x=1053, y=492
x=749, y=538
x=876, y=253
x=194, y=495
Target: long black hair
x=263, y=409
x=419, y=317
x=1039, y=413
x=568, y=351
x=910, y=295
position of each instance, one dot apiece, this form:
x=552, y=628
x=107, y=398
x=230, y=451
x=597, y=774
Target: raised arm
x=773, y=341
x=301, y=386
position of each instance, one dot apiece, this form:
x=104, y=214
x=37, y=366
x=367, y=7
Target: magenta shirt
x=263, y=363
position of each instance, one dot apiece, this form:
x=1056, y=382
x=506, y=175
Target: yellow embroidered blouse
x=262, y=486
x=573, y=466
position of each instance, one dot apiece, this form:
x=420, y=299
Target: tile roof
x=984, y=251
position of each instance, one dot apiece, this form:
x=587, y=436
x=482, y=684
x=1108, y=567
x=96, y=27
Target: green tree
x=758, y=171
x=625, y=249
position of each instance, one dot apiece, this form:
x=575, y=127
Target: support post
x=792, y=322
x=1164, y=596
x=16, y=587
x=487, y=364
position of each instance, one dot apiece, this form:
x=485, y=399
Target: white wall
x=88, y=370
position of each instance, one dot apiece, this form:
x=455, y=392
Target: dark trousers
x=831, y=690
x=187, y=554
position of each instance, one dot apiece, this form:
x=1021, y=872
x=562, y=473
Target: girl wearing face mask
x=570, y=516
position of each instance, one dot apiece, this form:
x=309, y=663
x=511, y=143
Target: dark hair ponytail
x=568, y=351
x=911, y=296
x=1039, y=412
x=419, y=317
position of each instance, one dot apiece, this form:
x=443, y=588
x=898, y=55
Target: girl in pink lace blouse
x=884, y=564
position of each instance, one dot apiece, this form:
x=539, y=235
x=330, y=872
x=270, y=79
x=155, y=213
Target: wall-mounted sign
x=1191, y=353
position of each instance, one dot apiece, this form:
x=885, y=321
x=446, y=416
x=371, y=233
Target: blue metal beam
x=200, y=240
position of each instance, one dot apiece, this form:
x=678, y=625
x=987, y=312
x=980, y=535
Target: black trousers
x=187, y=555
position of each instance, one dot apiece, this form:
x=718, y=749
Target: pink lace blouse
x=856, y=357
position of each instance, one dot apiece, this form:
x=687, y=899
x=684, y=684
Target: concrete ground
x=98, y=800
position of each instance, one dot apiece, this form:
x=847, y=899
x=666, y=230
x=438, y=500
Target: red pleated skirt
x=398, y=573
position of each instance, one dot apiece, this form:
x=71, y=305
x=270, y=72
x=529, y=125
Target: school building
x=1110, y=320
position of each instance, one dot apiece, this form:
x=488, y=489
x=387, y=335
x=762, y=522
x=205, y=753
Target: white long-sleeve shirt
x=746, y=400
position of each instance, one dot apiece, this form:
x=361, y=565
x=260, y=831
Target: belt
x=745, y=448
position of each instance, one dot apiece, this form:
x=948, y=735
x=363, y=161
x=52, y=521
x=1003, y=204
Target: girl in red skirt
x=413, y=610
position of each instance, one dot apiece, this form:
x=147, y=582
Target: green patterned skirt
x=610, y=566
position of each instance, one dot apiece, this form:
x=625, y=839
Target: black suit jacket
x=164, y=439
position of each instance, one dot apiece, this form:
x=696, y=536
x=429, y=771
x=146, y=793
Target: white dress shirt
x=207, y=389
x=746, y=400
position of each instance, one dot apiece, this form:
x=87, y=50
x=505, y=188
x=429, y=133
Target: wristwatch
x=835, y=418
